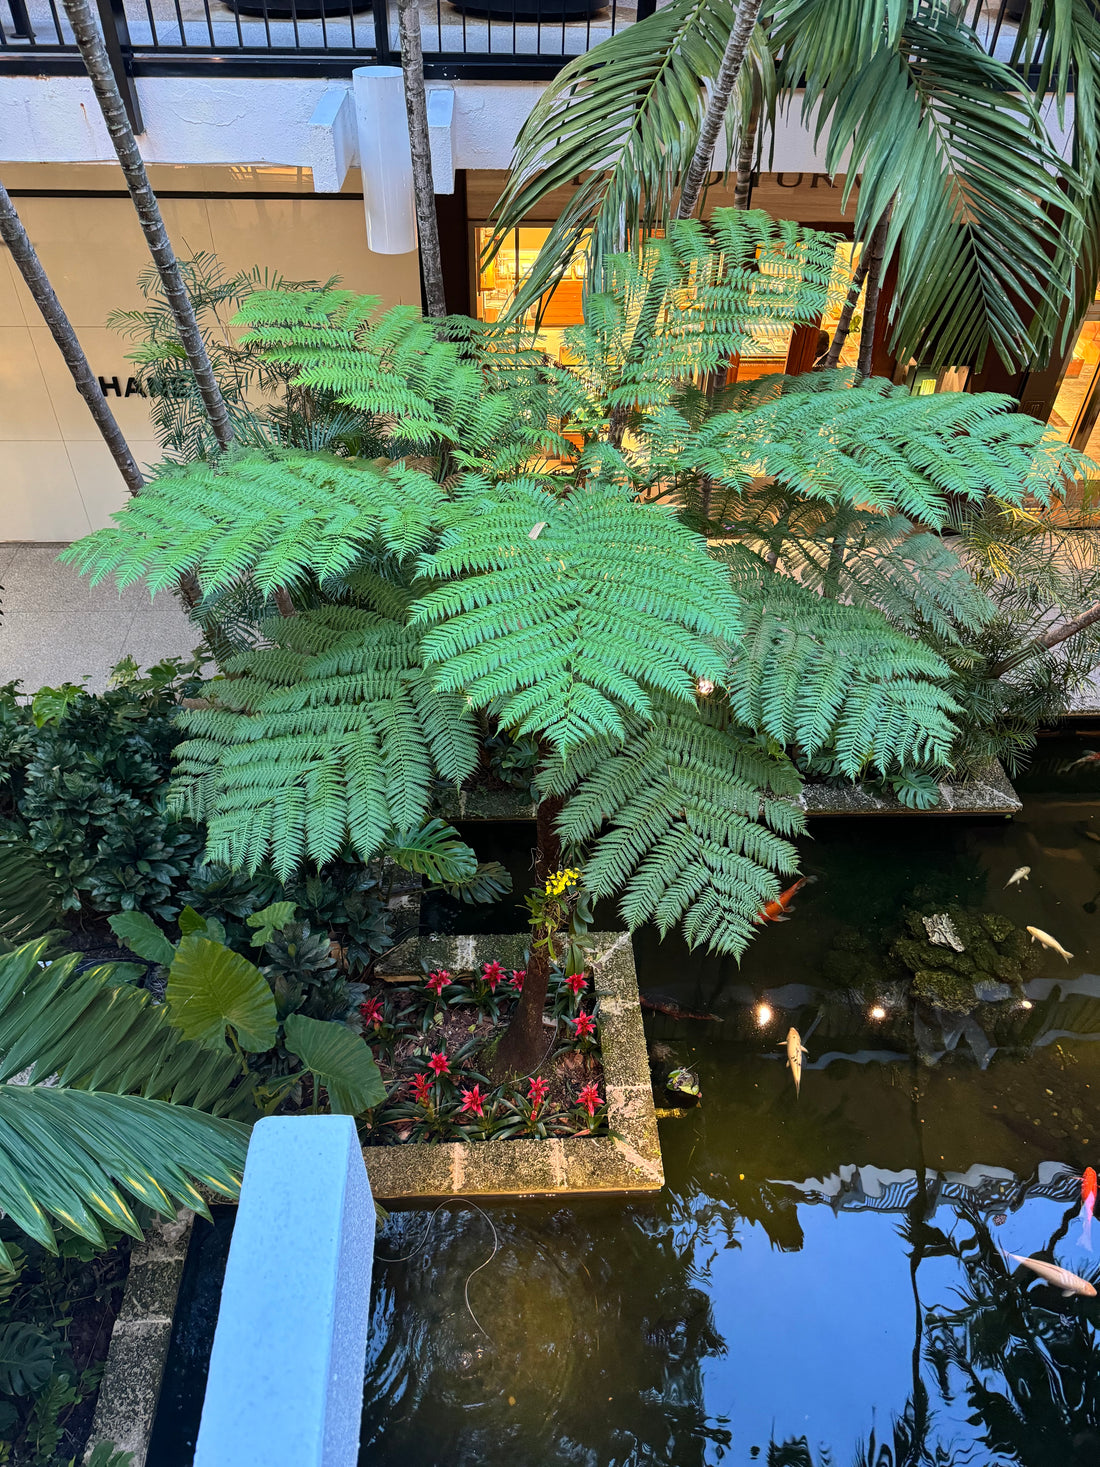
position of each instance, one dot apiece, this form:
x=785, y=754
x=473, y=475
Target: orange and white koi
x=1061, y=1278
x=775, y=910
x=1088, y=1206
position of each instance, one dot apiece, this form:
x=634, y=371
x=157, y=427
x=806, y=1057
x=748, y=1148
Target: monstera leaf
x=339, y=1060
x=210, y=987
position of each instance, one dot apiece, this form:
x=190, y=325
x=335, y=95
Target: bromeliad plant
x=597, y=601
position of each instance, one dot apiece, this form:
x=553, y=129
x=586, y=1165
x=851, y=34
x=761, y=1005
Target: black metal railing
x=477, y=39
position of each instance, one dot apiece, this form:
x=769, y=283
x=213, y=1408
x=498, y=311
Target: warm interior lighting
x=878, y=1012
x=763, y=1014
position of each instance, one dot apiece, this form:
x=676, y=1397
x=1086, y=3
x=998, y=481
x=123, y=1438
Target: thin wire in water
x=404, y=1257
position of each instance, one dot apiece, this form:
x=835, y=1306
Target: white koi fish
x=1038, y=935
x=1021, y=873
x=1061, y=1278
x=795, y=1050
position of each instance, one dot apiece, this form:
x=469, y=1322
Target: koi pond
x=825, y=1278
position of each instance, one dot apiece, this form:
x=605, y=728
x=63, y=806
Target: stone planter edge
x=629, y=1161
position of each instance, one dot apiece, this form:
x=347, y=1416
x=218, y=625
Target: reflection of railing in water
x=866, y=1189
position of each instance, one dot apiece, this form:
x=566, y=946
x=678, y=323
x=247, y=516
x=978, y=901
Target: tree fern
x=811, y=673
x=569, y=614
x=331, y=737
x=276, y=517
x=699, y=817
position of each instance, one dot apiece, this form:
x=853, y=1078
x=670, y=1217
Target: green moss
x=944, y=990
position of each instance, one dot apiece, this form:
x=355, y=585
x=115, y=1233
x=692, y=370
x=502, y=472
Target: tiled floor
x=56, y=628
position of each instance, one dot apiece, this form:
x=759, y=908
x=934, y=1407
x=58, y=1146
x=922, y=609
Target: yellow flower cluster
x=558, y=881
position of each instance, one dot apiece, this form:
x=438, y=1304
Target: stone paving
x=55, y=628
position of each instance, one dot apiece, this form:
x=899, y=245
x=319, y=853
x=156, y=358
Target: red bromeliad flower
x=422, y=1090
x=583, y=1025
x=576, y=984
x=516, y=980
x=372, y=1013
x=492, y=973
x=439, y=1065
x=537, y=1091
x=590, y=1098
x=473, y=1101
x=437, y=982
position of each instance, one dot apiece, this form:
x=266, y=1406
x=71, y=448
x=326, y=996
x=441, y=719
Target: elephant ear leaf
x=339, y=1060
x=26, y=1359
x=210, y=987
x=142, y=936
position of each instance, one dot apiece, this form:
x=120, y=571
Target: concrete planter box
x=629, y=1161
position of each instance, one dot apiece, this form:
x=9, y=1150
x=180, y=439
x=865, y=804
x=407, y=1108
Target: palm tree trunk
x=87, y=383
x=844, y=324
x=746, y=150
x=416, y=105
x=733, y=59
x=92, y=49
x=1049, y=639
x=876, y=251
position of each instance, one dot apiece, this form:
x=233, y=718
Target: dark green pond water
x=823, y=1280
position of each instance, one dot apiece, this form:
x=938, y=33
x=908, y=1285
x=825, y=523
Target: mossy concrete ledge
x=628, y=1161
x=142, y=1332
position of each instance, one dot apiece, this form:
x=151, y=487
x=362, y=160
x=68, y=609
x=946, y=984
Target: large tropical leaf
x=142, y=936
x=26, y=1359
x=211, y=987
x=96, y=1035
x=625, y=117
x=73, y=1157
x=436, y=850
x=339, y=1060
x=950, y=140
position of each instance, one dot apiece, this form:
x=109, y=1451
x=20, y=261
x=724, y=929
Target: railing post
x=646, y=8
x=116, y=37
x=382, y=32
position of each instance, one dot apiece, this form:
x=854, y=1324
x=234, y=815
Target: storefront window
x=769, y=352
x=1077, y=405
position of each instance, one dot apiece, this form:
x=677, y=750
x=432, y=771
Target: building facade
x=258, y=142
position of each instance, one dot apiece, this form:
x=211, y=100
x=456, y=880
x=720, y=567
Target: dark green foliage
x=87, y=792
x=46, y=1367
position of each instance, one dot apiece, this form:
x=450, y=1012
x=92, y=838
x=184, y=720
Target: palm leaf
x=30, y=905
x=72, y=1156
x=95, y=1035
x=946, y=137
x=627, y=114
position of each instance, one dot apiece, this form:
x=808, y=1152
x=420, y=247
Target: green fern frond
x=698, y=817
x=567, y=614
x=332, y=736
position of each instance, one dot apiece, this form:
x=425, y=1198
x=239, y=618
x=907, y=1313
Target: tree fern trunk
x=92, y=49
x=87, y=384
x=733, y=59
x=416, y=106
x=844, y=324
x=527, y=1040
x=876, y=251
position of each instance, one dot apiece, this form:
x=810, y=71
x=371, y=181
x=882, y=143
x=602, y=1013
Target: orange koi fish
x=1088, y=1206
x=775, y=911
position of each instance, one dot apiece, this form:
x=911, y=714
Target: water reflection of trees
x=1023, y=1361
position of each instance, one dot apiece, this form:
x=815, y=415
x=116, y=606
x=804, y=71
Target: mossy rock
x=945, y=990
